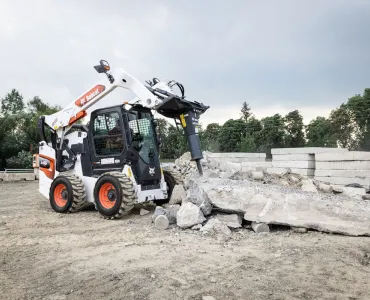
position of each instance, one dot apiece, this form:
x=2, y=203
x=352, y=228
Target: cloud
x=276, y=55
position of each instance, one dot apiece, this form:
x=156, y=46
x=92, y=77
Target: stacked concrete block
x=341, y=169
x=299, y=161
x=239, y=157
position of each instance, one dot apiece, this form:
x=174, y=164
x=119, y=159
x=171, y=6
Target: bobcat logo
x=151, y=171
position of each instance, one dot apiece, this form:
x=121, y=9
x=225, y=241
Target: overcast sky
x=276, y=55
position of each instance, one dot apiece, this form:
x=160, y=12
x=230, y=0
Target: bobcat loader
x=113, y=161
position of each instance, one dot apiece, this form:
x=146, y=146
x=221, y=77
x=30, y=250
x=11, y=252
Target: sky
x=277, y=56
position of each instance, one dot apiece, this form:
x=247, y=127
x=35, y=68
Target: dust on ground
x=45, y=255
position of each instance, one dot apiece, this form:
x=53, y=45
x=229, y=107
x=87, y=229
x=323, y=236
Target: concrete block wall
x=299, y=161
x=337, y=166
x=343, y=168
x=10, y=177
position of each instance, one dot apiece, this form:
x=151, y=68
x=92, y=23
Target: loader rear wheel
x=67, y=193
x=114, y=195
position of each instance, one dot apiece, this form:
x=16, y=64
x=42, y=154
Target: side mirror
x=103, y=67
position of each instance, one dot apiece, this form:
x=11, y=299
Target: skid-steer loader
x=113, y=160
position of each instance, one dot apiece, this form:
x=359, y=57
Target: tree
x=246, y=111
x=359, y=108
x=272, y=134
x=343, y=127
x=231, y=134
x=294, y=130
x=209, y=137
x=12, y=103
x=23, y=160
x=318, y=133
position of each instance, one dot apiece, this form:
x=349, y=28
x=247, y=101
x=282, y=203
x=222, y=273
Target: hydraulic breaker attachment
x=188, y=113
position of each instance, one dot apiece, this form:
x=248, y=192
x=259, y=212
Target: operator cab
x=118, y=137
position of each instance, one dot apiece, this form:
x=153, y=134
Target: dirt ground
x=45, y=255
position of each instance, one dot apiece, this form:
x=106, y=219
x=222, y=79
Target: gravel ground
x=45, y=255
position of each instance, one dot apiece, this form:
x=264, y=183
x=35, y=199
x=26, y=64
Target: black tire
x=114, y=195
x=67, y=193
x=172, y=178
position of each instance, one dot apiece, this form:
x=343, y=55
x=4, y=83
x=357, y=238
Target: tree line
x=347, y=126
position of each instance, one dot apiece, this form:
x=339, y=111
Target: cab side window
x=107, y=134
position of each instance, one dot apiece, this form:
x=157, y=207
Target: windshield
x=143, y=136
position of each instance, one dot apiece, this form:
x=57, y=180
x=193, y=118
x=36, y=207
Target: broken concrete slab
x=345, y=217
x=214, y=225
x=232, y=221
x=178, y=193
x=189, y=215
x=273, y=204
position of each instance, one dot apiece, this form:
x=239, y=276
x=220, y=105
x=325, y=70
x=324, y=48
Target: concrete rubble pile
x=228, y=197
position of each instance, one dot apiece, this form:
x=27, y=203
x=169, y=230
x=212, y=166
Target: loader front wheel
x=67, y=194
x=114, y=195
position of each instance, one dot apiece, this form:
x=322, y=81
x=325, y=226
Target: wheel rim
x=107, y=195
x=61, y=195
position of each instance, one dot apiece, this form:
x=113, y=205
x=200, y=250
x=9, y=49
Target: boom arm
x=76, y=109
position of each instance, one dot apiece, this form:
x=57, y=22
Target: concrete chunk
x=257, y=175
x=215, y=226
x=189, y=215
x=178, y=193
x=232, y=221
x=326, y=188
x=260, y=227
x=144, y=212
x=161, y=222
x=308, y=186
